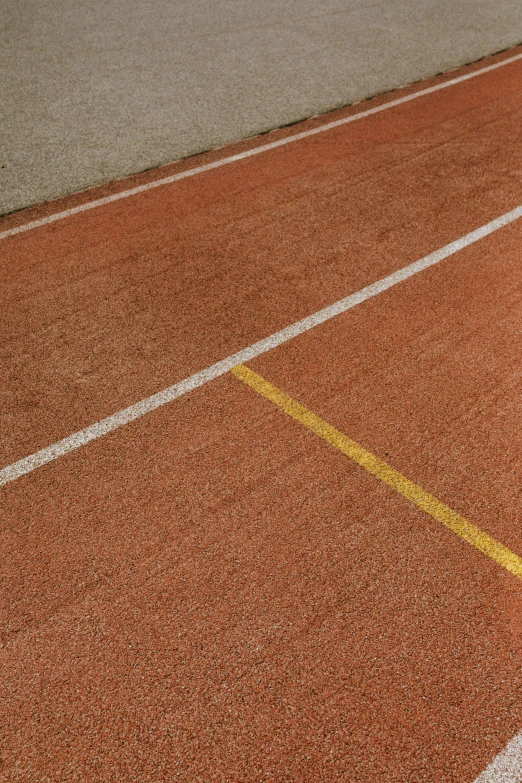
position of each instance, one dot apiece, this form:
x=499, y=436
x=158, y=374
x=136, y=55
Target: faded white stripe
x=100, y=428
x=100, y=202
x=507, y=766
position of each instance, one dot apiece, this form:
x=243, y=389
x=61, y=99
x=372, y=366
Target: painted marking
x=507, y=766
x=100, y=202
x=456, y=523
x=139, y=409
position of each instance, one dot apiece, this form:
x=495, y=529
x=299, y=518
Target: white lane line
x=100, y=202
x=100, y=428
x=507, y=766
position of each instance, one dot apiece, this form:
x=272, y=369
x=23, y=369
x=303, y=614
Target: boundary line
x=507, y=766
x=381, y=470
x=139, y=409
x=249, y=153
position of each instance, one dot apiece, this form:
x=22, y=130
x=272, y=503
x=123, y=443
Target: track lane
x=209, y=592
x=101, y=311
x=121, y=418
x=427, y=376
x=385, y=472
x=302, y=622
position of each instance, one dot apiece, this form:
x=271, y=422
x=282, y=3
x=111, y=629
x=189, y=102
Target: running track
x=307, y=568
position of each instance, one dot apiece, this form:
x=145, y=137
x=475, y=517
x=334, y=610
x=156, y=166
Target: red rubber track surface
x=427, y=376
x=107, y=307
x=212, y=592
x=217, y=594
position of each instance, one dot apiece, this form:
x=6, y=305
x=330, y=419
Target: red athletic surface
x=219, y=595
x=107, y=307
x=428, y=376
x=212, y=592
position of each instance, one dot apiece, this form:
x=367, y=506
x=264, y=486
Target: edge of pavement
x=16, y=218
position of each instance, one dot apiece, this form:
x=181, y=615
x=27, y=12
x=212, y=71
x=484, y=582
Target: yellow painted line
x=458, y=524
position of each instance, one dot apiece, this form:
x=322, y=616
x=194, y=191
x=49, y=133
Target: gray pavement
x=95, y=90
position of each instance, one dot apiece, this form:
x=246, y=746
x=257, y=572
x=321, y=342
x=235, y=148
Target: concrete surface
x=96, y=90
